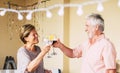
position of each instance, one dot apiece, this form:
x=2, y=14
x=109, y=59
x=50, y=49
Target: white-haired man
x=98, y=53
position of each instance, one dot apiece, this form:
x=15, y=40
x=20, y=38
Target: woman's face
x=32, y=37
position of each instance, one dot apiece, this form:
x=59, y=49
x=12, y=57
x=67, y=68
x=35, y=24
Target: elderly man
x=98, y=53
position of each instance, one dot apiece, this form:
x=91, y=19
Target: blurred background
x=67, y=25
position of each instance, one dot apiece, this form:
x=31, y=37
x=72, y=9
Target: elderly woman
x=30, y=56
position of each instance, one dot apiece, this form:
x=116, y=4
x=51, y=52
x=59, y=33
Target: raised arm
x=111, y=70
x=34, y=63
x=66, y=50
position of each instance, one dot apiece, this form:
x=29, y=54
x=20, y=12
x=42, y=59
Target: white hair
x=96, y=19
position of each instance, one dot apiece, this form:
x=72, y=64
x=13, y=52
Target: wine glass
x=49, y=40
x=53, y=39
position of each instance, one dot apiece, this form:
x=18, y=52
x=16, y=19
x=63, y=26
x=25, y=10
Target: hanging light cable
x=47, y=9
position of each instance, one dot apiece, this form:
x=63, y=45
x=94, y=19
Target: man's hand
x=48, y=71
x=111, y=71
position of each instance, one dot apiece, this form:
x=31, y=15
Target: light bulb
x=119, y=3
x=20, y=17
x=80, y=11
x=48, y=14
x=61, y=11
x=29, y=16
x=100, y=7
x=2, y=13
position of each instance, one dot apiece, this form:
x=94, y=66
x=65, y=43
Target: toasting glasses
x=48, y=40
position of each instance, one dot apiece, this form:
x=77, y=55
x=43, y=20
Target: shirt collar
x=101, y=36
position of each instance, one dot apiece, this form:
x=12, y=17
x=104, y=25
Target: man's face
x=90, y=29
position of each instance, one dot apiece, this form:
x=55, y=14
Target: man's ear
x=97, y=27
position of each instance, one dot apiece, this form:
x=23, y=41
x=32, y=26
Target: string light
x=47, y=9
x=80, y=11
x=48, y=14
x=119, y=3
x=2, y=13
x=100, y=7
x=61, y=11
x=29, y=16
x=20, y=17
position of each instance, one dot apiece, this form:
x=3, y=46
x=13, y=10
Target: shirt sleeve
x=109, y=56
x=23, y=59
x=77, y=51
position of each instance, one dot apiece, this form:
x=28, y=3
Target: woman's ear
x=26, y=39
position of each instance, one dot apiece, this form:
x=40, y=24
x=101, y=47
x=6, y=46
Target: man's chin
x=90, y=37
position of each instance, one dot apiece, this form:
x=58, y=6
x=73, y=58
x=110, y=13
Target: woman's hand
x=46, y=48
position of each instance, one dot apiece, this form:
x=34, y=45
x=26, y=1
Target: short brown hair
x=25, y=31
